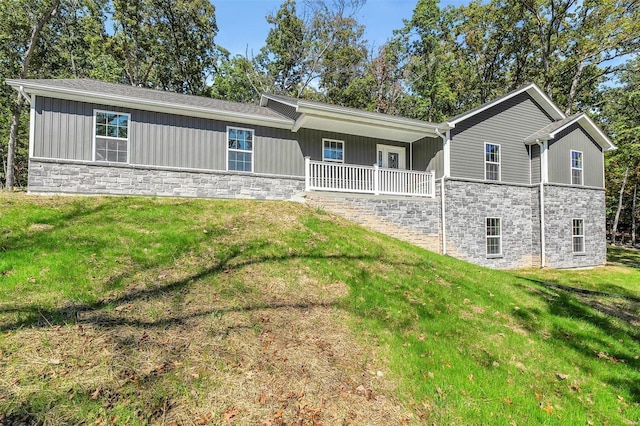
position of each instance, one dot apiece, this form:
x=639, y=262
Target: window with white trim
x=494, y=236
x=576, y=168
x=240, y=149
x=491, y=161
x=333, y=150
x=577, y=234
x=111, y=133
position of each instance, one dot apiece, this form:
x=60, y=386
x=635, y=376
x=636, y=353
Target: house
x=512, y=183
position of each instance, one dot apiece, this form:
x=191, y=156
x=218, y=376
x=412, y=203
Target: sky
x=242, y=23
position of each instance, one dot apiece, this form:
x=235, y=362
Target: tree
x=20, y=41
x=165, y=44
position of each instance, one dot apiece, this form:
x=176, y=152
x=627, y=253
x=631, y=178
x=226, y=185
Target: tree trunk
x=617, y=218
x=633, y=217
x=17, y=107
x=13, y=137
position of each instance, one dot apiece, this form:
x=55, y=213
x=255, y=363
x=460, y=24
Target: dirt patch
x=245, y=348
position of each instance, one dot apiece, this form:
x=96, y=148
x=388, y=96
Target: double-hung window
x=577, y=233
x=494, y=236
x=240, y=149
x=111, y=133
x=491, y=161
x=576, y=168
x=333, y=150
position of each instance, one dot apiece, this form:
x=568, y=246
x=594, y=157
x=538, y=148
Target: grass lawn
x=143, y=310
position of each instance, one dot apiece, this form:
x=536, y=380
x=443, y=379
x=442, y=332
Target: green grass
x=465, y=344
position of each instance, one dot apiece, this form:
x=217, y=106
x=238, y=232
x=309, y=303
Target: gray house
x=512, y=183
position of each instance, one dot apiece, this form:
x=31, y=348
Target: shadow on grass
x=98, y=312
x=607, y=346
x=623, y=256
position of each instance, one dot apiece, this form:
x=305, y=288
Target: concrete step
x=339, y=205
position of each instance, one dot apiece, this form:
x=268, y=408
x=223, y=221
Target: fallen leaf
x=471, y=377
x=548, y=409
x=562, y=376
x=421, y=337
x=508, y=401
x=96, y=393
x=230, y=414
x=263, y=399
x=538, y=395
x=204, y=419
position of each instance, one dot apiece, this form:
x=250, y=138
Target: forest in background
x=585, y=55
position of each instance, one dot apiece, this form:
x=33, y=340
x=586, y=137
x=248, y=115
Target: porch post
x=376, y=177
x=432, y=184
x=307, y=173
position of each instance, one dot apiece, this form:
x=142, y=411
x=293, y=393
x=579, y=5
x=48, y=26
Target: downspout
x=543, y=167
x=445, y=141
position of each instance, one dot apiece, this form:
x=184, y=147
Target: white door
x=391, y=157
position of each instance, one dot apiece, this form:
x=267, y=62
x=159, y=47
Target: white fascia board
x=535, y=93
x=150, y=105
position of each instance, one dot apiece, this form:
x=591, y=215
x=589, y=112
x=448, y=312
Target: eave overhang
x=40, y=89
x=584, y=121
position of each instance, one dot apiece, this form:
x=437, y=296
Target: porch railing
x=324, y=176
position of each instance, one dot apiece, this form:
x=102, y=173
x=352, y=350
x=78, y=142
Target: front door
x=391, y=157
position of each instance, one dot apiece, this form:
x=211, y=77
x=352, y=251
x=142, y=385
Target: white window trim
x=330, y=160
x=253, y=143
x=584, y=239
x=93, y=154
x=487, y=236
x=499, y=163
x=575, y=168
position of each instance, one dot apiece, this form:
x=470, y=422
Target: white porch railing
x=323, y=176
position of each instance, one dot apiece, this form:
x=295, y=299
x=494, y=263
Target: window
x=332, y=150
x=576, y=168
x=494, y=237
x=111, y=136
x=240, y=149
x=578, y=235
x=491, y=161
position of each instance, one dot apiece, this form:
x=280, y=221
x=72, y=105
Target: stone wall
x=562, y=204
x=469, y=204
x=52, y=176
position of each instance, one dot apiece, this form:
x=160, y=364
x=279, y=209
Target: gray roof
x=346, y=110
x=152, y=95
x=549, y=129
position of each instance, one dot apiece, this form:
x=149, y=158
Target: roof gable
x=549, y=132
x=533, y=90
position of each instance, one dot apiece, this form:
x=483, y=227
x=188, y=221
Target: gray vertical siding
x=428, y=155
x=506, y=124
x=357, y=149
x=575, y=139
x=64, y=130
x=535, y=163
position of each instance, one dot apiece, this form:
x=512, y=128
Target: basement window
x=111, y=136
x=494, y=237
x=577, y=236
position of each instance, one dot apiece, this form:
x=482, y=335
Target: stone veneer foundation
x=52, y=176
x=467, y=205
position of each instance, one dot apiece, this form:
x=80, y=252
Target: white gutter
x=443, y=219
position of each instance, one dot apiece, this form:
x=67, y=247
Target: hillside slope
x=143, y=310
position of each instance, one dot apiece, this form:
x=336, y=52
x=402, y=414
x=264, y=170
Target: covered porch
x=376, y=180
